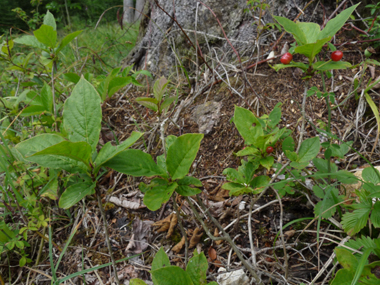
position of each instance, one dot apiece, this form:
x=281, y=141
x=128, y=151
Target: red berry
x=286, y=58
x=269, y=149
x=337, y=55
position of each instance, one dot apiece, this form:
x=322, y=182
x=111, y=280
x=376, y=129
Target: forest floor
x=131, y=227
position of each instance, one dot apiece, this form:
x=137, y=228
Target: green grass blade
x=362, y=263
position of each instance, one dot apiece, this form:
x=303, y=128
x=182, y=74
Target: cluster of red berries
x=335, y=56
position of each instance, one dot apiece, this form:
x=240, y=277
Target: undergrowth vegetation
x=53, y=158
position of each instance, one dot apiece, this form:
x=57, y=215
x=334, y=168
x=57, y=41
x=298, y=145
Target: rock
x=206, y=116
x=350, y=188
x=232, y=278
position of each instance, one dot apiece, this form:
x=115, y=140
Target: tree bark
x=128, y=15
x=139, y=8
x=162, y=46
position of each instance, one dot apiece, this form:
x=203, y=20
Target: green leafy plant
x=75, y=150
x=165, y=274
x=260, y=135
x=172, y=169
x=310, y=40
x=356, y=267
x=111, y=84
x=160, y=102
x=374, y=23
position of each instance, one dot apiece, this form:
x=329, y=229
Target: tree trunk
x=162, y=47
x=128, y=16
x=139, y=8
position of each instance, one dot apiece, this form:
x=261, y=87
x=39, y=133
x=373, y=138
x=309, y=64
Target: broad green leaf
x=38, y=143
x=288, y=145
x=375, y=215
x=292, y=155
x=72, y=77
x=197, y=268
x=374, y=110
x=244, y=120
x=371, y=174
x=47, y=97
x=346, y=177
x=293, y=29
x=46, y=35
x=108, y=151
x=236, y=188
x=82, y=114
x=161, y=162
x=334, y=25
x=74, y=193
x=328, y=65
x=353, y=222
x=249, y=150
x=167, y=102
x=346, y=258
x=301, y=65
x=169, y=140
x=41, y=142
x=274, y=117
x=340, y=150
x=343, y=277
x=234, y=175
x=22, y=261
x=67, y=39
x=117, y=83
x=29, y=41
x=26, y=60
x=260, y=182
x=181, y=154
x=134, y=162
x=5, y=232
x=144, y=72
x=267, y=162
x=310, y=30
x=160, y=260
x=80, y=151
x=247, y=169
x=49, y=20
x=312, y=49
x=7, y=47
x=185, y=190
x=309, y=149
x=322, y=165
x=159, y=88
x=137, y=282
x=189, y=180
x=33, y=110
x=326, y=203
x=171, y=275
x=50, y=190
x=150, y=103
x=158, y=195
